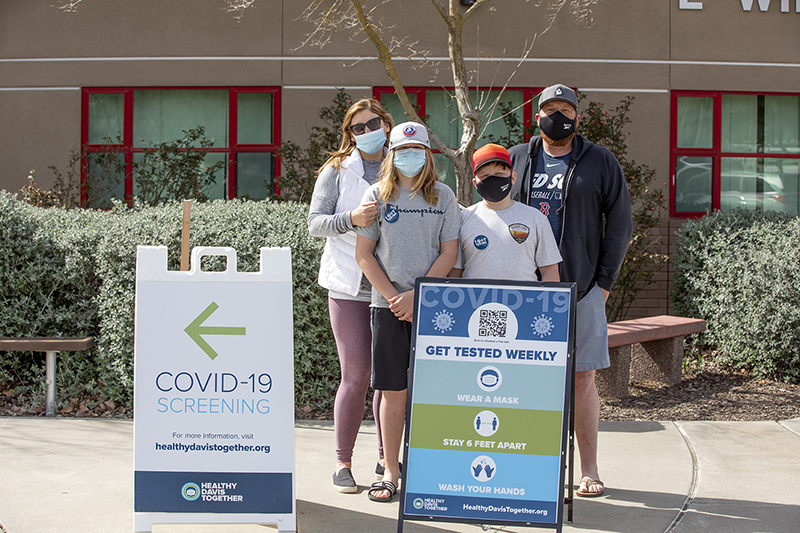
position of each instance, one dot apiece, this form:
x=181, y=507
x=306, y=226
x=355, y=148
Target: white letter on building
x=687, y=4
x=763, y=5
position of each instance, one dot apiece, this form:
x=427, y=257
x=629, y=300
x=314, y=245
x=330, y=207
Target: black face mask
x=494, y=188
x=557, y=126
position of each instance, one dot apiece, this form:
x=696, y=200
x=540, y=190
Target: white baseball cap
x=409, y=133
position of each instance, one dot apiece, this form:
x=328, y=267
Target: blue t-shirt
x=546, y=188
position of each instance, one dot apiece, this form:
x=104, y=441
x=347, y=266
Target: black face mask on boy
x=494, y=188
x=556, y=125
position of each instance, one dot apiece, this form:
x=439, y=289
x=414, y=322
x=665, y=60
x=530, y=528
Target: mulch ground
x=708, y=393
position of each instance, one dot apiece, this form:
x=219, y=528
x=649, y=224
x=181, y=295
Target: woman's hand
x=364, y=215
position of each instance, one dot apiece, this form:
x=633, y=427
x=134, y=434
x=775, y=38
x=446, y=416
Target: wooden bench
x=645, y=349
x=51, y=346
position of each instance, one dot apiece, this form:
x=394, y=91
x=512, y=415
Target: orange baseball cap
x=490, y=153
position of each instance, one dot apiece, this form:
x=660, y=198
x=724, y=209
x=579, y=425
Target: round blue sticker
x=391, y=214
x=481, y=242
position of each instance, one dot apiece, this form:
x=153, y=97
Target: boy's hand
x=402, y=305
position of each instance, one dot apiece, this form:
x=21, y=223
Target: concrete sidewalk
x=75, y=475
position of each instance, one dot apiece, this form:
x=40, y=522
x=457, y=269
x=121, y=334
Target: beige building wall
x=632, y=47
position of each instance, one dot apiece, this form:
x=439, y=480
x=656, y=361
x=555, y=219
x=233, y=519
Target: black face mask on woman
x=556, y=125
x=494, y=188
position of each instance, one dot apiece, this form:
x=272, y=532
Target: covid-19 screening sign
x=488, y=402
x=214, y=392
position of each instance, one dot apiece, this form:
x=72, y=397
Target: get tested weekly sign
x=214, y=392
x=486, y=431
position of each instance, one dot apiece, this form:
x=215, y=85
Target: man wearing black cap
x=580, y=187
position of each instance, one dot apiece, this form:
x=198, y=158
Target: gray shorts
x=591, y=332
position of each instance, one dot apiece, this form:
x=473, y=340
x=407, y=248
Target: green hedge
x=740, y=270
x=71, y=273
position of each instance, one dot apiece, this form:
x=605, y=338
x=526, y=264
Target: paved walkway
x=75, y=475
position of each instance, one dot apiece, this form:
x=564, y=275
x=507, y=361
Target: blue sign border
x=564, y=332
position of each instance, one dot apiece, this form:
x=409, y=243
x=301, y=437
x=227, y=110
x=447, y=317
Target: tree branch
x=385, y=57
x=70, y=6
x=474, y=7
x=440, y=8
x=508, y=81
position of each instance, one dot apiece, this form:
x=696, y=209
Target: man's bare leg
x=587, y=419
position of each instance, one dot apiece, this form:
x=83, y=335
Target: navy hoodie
x=593, y=188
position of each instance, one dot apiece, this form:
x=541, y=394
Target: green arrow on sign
x=195, y=329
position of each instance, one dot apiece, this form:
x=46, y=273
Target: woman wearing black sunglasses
x=336, y=209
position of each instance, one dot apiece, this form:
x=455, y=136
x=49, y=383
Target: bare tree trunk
x=470, y=117
x=385, y=57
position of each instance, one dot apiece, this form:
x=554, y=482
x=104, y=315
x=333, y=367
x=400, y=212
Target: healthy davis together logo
x=190, y=492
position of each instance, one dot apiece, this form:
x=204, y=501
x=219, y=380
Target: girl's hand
x=402, y=305
x=365, y=214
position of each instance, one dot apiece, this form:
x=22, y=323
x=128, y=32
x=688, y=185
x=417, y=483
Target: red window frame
x=528, y=94
x=715, y=152
x=231, y=150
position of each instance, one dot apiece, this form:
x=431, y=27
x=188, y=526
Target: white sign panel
x=214, y=392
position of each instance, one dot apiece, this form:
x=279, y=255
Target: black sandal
x=380, y=486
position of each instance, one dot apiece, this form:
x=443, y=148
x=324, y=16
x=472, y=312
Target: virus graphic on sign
x=443, y=321
x=542, y=326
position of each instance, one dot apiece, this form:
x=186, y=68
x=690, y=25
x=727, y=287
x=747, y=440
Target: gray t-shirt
x=409, y=232
x=507, y=244
x=548, y=181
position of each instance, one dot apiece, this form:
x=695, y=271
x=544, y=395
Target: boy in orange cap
x=501, y=238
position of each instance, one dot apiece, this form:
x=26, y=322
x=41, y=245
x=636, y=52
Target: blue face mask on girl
x=410, y=161
x=371, y=142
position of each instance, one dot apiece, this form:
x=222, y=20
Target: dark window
x=734, y=150
x=242, y=122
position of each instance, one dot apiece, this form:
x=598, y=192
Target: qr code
x=492, y=323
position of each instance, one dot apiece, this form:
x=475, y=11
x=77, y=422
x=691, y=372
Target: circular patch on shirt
x=409, y=130
x=481, y=242
x=519, y=232
x=391, y=214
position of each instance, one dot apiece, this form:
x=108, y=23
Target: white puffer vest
x=338, y=269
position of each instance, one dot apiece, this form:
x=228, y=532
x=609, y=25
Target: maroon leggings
x=351, y=329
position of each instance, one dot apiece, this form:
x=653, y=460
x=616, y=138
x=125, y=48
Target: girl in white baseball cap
x=415, y=235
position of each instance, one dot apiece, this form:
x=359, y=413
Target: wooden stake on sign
x=187, y=210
